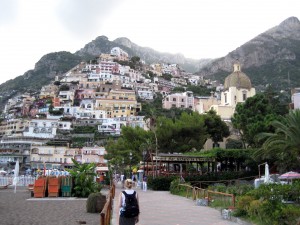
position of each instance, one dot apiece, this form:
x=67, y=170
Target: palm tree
x=283, y=145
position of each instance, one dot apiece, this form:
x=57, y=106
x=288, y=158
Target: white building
x=90, y=114
x=112, y=126
x=145, y=92
x=136, y=121
x=120, y=53
x=92, y=155
x=42, y=128
x=296, y=99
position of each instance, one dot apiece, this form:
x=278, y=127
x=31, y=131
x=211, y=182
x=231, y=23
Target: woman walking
x=124, y=219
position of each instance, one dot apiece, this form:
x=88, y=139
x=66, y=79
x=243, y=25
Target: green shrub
x=176, y=189
x=290, y=214
x=95, y=202
x=160, y=183
x=238, y=190
x=254, y=208
x=243, y=204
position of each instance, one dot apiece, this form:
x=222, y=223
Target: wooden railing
x=197, y=193
x=106, y=213
x=194, y=192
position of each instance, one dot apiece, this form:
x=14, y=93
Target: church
x=237, y=88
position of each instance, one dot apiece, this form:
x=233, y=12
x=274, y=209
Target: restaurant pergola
x=178, y=164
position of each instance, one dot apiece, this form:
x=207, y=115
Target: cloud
x=84, y=18
x=8, y=11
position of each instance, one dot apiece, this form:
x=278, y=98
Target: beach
x=21, y=209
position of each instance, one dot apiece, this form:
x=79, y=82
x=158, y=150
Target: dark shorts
x=126, y=221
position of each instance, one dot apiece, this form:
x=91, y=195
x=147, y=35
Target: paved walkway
x=163, y=208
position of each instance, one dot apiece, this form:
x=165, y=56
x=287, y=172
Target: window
x=174, y=99
x=244, y=96
x=225, y=96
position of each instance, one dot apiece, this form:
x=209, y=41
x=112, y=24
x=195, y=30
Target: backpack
x=131, y=208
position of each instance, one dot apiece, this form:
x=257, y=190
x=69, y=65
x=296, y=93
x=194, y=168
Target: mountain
x=45, y=70
x=102, y=45
x=58, y=63
x=272, y=57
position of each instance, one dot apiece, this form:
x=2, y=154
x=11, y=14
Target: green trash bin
x=66, y=186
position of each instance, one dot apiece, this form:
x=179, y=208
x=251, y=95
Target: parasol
x=290, y=176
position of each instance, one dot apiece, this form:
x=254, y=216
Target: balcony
x=45, y=154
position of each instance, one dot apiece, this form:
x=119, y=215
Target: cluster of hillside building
x=37, y=129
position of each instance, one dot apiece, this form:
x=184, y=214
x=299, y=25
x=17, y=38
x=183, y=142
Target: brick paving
x=163, y=208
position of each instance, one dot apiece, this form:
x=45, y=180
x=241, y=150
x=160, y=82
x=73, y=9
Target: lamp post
x=130, y=157
x=144, y=158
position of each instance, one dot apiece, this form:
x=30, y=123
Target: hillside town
x=50, y=128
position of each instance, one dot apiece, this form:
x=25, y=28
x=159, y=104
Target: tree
x=183, y=134
x=199, y=90
x=134, y=62
x=132, y=138
x=216, y=127
x=253, y=117
x=283, y=146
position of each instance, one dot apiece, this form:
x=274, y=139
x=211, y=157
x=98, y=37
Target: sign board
x=183, y=159
x=102, y=168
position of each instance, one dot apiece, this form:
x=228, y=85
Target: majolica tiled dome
x=237, y=79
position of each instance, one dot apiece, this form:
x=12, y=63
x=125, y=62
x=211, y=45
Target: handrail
x=222, y=193
x=106, y=213
x=198, y=192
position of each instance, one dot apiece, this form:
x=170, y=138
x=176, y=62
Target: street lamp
x=144, y=158
x=130, y=157
x=123, y=167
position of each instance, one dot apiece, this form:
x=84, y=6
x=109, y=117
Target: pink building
x=179, y=100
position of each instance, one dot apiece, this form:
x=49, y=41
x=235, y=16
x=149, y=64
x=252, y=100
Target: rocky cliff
x=102, y=45
x=271, y=56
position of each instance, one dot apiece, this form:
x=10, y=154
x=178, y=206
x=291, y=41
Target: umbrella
x=290, y=175
x=3, y=172
x=16, y=175
x=267, y=174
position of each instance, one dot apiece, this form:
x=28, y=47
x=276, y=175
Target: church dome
x=237, y=79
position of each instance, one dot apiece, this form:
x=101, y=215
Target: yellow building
x=49, y=91
x=237, y=88
x=118, y=103
x=13, y=127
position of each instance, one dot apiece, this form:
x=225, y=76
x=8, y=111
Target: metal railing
x=21, y=181
x=106, y=213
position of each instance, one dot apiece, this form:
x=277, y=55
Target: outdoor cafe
x=177, y=164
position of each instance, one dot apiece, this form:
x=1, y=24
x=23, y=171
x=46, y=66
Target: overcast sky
x=198, y=29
